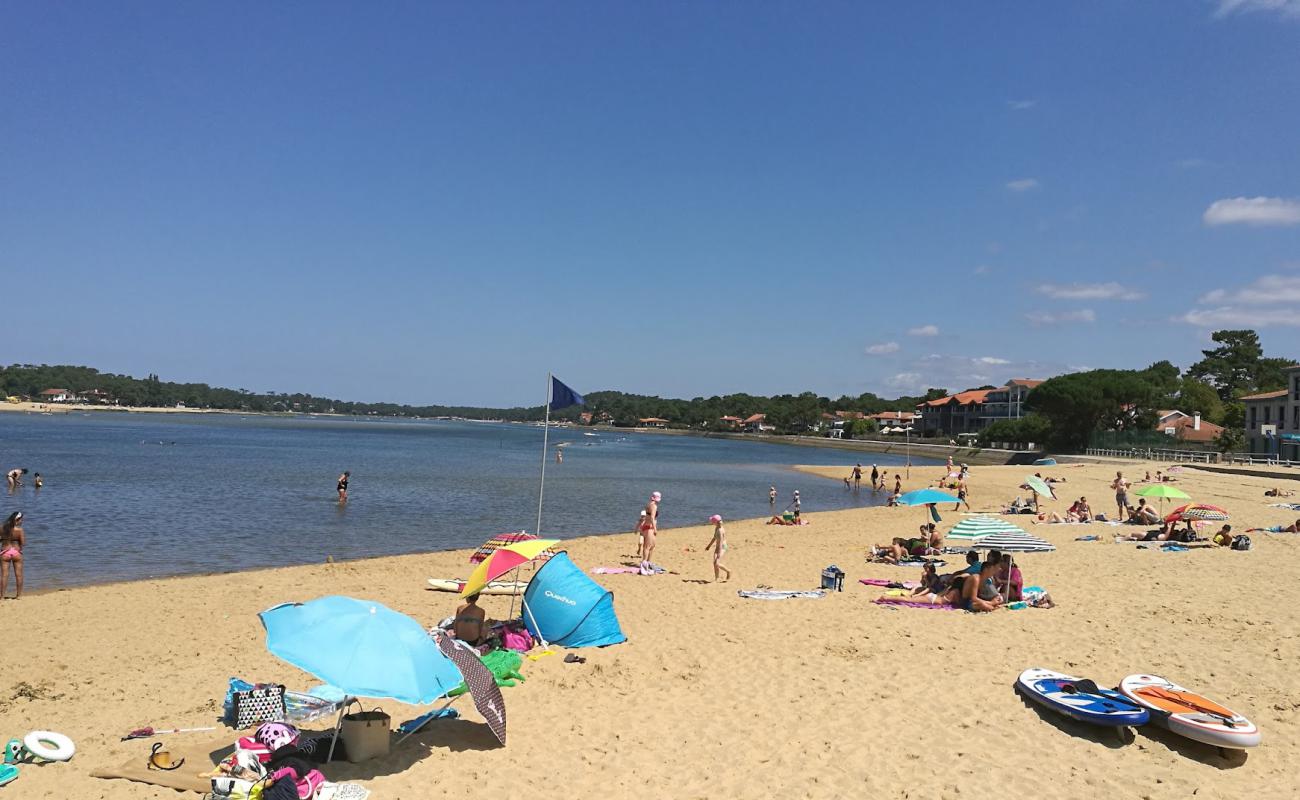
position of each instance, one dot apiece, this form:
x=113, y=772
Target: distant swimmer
x=771, y=496
x=343, y=486
x=12, y=542
x=559, y=455
x=14, y=477
x=38, y=481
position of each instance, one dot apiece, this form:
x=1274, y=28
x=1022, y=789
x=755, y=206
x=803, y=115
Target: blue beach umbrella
x=927, y=497
x=364, y=648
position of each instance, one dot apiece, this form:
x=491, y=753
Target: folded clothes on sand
x=780, y=594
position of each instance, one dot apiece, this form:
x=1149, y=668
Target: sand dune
x=715, y=696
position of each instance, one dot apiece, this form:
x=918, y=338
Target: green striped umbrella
x=976, y=528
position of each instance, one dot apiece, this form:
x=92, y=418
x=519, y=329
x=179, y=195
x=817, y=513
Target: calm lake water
x=148, y=495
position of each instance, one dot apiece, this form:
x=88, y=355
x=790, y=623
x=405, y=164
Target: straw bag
x=365, y=734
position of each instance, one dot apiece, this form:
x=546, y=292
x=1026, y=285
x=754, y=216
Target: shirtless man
x=650, y=529
x=771, y=497
x=468, y=624
x=857, y=476
x=14, y=477
x=1294, y=527
x=1120, y=485
x=12, y=542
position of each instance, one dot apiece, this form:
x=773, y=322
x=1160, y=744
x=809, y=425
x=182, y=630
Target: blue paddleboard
x=1061, y=694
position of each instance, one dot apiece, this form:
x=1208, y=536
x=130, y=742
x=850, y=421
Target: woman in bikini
x=469, y=623
x=12, y=542
x=649, y=529
x=343, y=486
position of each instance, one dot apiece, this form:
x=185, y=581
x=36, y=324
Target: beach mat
x=887, y=582
x=780, y=594
x=200, y=756
x=899, y=602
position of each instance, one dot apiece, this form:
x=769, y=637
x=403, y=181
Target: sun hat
x=715, y=518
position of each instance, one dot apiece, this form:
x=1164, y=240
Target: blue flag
x=562, y=396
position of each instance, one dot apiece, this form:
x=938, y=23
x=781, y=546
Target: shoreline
x=734, y=663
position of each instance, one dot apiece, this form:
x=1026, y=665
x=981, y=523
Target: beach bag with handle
x=259, y=704
x=366, y=734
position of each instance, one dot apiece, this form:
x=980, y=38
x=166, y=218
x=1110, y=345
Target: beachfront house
x=652, y=422
x=58, y=396
x=895, y=419
x=1273, y=420
x=729, y=423
x=1187, y=427
x=757, y=424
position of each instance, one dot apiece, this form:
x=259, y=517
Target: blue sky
x=438, y=203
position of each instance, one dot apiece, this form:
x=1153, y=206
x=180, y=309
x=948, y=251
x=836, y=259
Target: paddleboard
x=495, y=587
x=1061, y=694
x=1189, y=714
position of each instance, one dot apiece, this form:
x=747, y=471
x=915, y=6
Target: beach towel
x=780, y=594
x=1291, y=506
x=616, y=571
x=424, y=719
x=899, y=602
x=200, y=756
x=1087, y=538
x=887, y=582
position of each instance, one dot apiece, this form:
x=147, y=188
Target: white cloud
x=1235, y=317
x=924, y=330
x=992, y=361
x=1022, y=184
x=904, y=380
x=1089, y=291
x=882, y=349
x=1287, y=8
x=1266, y=289
x=982, y=269
x=1254, y=305
x=1253, y=211
x=1021, y=105
x=1047, y=318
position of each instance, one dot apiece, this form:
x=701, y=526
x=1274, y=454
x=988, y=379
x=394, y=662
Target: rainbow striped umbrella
x=503, y=560
x=503, y=540
x=1197, y=511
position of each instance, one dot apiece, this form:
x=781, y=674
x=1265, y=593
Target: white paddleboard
x=1189, y=714
x=495, y=587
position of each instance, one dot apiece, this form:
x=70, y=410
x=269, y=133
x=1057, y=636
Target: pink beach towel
x=616, y=571
x=899, y=601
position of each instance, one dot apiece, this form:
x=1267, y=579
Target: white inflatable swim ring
x=49, y=745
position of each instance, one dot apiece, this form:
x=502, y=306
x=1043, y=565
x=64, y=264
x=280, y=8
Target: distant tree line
x=1066, y=411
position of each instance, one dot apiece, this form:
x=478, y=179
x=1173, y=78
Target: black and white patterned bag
x=257, y=705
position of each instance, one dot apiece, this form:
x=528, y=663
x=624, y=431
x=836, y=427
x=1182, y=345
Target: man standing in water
x=771, y=497
x=343, y=486
x=857, y=476
x=649, y=530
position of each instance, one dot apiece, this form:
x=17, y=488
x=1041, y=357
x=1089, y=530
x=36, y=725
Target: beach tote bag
x=259, y=704
x=366, y=734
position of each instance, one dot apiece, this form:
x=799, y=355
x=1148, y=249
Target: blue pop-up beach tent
x=563, y=606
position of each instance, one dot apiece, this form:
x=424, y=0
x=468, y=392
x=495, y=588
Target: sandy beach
x=718, y=696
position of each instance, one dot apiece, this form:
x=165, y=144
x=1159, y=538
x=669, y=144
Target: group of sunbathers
x=927, y=541
x=981, y=586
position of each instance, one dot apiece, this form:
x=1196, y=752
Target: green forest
x=1065, y=411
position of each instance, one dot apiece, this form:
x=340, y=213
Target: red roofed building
x=974, y=410
x=757, y=424
x=652, y=422
x=1189, y=428
x=58, y=396
x=729, y=423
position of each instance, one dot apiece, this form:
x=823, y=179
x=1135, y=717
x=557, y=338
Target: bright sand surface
x=717, y=696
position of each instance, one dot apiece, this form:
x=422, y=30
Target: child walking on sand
x=718, y=544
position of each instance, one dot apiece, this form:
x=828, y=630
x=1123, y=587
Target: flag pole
x=546, y=434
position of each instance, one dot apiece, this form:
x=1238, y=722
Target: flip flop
x=574, y=658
